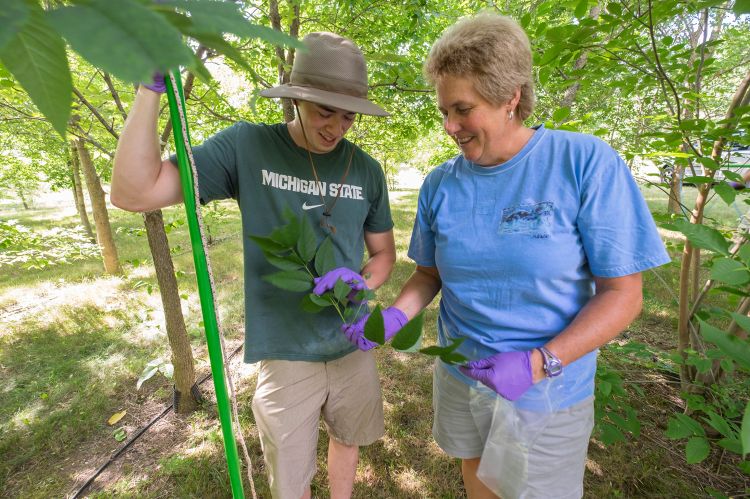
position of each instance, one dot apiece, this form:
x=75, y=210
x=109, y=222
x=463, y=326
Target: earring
x=510, y=115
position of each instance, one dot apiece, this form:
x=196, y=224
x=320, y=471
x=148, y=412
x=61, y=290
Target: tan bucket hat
x=332, y=72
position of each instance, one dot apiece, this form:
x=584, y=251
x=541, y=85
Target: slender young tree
x=78, y=197
x=99, y=207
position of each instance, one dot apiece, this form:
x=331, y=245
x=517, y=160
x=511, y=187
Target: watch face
x=552, y=365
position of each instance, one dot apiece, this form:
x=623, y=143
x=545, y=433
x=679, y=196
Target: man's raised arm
x=141, y=181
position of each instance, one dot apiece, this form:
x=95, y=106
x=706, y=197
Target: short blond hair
x=491, y=50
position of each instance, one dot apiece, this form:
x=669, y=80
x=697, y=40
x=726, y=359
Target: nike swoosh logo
x=310, y=207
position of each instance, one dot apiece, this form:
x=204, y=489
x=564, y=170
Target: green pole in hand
x=205, y=288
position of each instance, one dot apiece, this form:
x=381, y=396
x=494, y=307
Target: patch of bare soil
x=169, y=435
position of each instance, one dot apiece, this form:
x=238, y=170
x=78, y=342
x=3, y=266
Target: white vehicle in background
x=737, y=160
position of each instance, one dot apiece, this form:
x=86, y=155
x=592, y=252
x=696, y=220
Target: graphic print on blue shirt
x=534, y=219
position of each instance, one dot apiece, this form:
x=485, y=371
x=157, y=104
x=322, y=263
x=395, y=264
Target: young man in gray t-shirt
x=307, y=366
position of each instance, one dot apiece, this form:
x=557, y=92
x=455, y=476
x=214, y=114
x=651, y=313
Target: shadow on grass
x=62, y=381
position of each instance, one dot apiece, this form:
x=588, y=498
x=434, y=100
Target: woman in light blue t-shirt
x=536, y=239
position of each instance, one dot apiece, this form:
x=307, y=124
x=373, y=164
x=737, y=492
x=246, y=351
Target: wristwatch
x=552, y=364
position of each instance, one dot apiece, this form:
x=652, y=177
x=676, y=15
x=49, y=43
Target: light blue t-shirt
x=517, y=246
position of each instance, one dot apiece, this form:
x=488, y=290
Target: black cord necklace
x=325, y=222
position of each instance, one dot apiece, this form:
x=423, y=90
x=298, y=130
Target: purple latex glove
x=352, y=279
x=508, y=373
x=393, y=320
x=158, y=85
x=736, y=185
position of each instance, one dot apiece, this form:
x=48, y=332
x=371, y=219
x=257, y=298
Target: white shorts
x=556, y=460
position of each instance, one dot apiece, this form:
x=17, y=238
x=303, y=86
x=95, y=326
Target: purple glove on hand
x=508, y=373
x=352, y=279
x=736, y=185
x=158, y=85
x=393, y=320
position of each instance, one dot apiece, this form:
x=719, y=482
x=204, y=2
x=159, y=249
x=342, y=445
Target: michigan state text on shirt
x=296, y=184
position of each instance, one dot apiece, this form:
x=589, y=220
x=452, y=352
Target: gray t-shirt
x=265, y=171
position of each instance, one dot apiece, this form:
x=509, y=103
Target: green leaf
x=287, y=234
x=741, y=7
x=742, y=320
x=726, y=192
x=744, y=253
x=605, y=387
x=438, y=351
x=268, y=245
x=560, y=33
x=308, y=305
x=453, y=358
x=732, y=346
x=130, y=41
x=703, y=237
x=341, y=290
x=719, y=423
x=745, y=431
x=290, y=280
x=582, y=9
x=36, y=57
x=697, y=450
x=610, y=434
x=709, y=163
x=374, y=327
x=632, y=423
x=217, y=43
x=120, y=434
x=697, y=179
x=407, y=339
x=13, y=15
x=307, y=242
x=683, y=426
x=325, y=300
x=325, y=259
x=734, y=176
x=731, y=444
x=560, y=114
x=550, y=55
x=224, y=17
x=287, y=262
x=729, y=271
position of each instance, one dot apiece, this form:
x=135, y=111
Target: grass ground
x=73, y=344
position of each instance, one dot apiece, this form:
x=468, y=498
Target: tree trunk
x=285, y=61
x=99, y=208
x=182, y=354
x=80, y=200
x=674, y=205
x=23, y=200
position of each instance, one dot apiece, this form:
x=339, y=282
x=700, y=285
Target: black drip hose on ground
x=137, y=435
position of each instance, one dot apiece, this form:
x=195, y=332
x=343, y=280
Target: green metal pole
x=204, y=284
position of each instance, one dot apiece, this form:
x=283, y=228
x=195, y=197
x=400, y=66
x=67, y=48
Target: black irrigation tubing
x=137, y=435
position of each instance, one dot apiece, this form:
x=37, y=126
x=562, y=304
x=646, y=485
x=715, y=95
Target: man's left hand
x=327, y=282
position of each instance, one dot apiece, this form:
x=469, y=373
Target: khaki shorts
x=288, y=403
x=557, y=459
